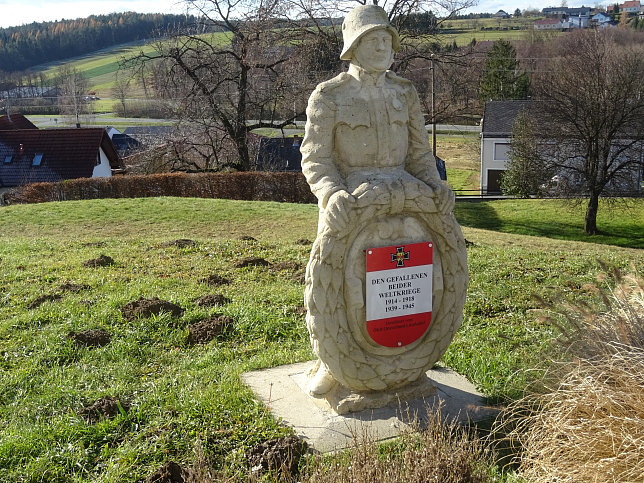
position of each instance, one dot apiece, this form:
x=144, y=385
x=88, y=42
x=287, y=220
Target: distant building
x=496, y=136
x=548, y=24
x=566, y=11
x=501, y=14
x=149, y=135
x=31, y=155
x=496, y=132
x=630, y=6
x=279, y=154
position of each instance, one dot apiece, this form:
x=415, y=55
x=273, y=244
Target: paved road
x=110, y=120
x=94, y=120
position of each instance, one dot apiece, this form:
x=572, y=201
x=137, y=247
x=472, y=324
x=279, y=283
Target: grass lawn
x=621, y=223
x=178, y=398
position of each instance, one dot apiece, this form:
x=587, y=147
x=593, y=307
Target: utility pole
x=433, y=105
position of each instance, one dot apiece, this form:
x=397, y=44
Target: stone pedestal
x=283, y=390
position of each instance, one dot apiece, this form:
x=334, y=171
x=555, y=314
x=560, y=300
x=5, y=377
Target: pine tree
x=502, y=77
x=526, y=172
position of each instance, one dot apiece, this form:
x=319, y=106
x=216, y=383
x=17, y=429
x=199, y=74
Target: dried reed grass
x=589, y=427
x=441, y=451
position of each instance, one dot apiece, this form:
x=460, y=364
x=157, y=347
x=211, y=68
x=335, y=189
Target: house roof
x=15, y=121
x=64, y=154
x=630, y=4
x=147, y=130
x=547, y=21
x=278, y=154
x=499, y=116
x=124, y=143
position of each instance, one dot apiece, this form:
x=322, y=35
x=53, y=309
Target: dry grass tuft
x=589, y=427
x=442, y=452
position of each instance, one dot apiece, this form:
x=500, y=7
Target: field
x=101, y=67
x=180, y=397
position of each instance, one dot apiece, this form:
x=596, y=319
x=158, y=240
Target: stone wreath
x=335, y=293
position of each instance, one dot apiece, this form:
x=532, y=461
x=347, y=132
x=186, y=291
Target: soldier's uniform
x=381, y=115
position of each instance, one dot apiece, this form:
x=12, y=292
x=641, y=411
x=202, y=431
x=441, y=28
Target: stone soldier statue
x=367, y=158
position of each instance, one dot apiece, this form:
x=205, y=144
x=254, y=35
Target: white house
x=549, y=24
x=579, y=21
x=496, y=132
x=630, y=6
x=601, y=18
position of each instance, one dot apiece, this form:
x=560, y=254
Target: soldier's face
x=374, y=52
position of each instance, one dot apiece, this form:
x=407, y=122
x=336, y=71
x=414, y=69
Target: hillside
x=26, y=46
x=182, y=399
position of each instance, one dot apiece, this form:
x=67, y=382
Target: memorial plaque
x=399, y=293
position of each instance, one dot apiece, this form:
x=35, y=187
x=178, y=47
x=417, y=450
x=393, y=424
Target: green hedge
x=255, y=186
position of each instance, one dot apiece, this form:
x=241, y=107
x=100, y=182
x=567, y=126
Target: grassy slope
x=183, y=397
x=100, y=67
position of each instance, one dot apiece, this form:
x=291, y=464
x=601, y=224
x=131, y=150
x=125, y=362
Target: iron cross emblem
x=400, y=256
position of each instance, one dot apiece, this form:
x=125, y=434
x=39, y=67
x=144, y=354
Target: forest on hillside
x=40, y=42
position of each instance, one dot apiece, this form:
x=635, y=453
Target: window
x=501, y=151
x=7, y=159
x=37, y=159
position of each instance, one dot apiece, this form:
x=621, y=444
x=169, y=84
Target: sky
x=19, y=12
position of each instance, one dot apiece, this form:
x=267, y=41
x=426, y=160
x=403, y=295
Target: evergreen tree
x=502, y=78
x=526, y=171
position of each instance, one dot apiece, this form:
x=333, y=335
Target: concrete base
x=283, y=390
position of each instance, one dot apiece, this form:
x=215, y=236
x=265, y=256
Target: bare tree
x=73, y=86
x=591, y=118
x=121, y=89
x=252, y=64
x=230, y=73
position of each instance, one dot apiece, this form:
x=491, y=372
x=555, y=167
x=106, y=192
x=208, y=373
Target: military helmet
x=362, y=20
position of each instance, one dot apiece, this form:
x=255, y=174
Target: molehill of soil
x=252, y=262
x=101, y=261
x=180, y=243
x=105, y=407
x=146, y=307
x=73, y=287
x=212, y=300
x=41, y=299
x=91, y=337
x=298, y=272
x=171, y=472
x=215, y=279
x=280, y=455
x=206, y=330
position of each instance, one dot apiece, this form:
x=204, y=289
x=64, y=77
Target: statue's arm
x=318, y=163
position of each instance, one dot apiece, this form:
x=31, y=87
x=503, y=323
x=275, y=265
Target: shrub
x=255, y=185
x=589, y=426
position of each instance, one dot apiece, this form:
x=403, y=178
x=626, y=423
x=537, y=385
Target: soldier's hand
x=336, y=213
x=444, y=196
